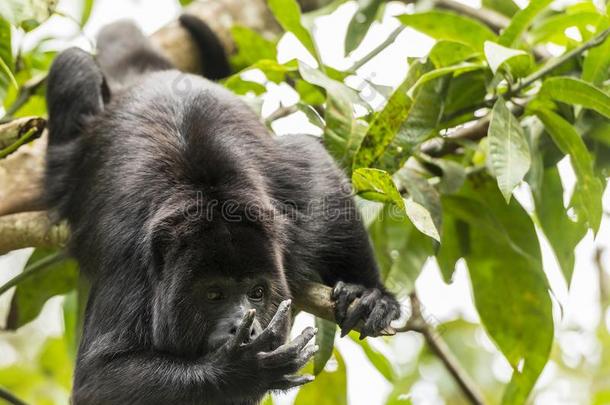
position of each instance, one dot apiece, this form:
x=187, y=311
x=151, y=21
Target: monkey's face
x=209, y=280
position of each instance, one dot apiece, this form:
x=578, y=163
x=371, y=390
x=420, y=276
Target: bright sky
x=443, y=302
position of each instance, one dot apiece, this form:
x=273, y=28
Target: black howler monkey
x=194, y=226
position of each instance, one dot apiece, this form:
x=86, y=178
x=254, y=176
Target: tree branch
x=30, y=229
x=492, y=19
x=417, y=323
x=439, y=147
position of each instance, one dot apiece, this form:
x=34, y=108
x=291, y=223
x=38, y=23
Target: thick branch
x=221, y=15
x=14, y=131
x=30, y=229
x=440, y=147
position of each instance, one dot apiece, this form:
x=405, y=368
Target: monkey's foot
x=373, y=307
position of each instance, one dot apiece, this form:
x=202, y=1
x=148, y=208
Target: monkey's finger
x=289, y=354
x=243, y=332
x=337, y=290
x=272, y=333
x=379, y=318
x=375, y=322
x=344, y=295
x=292, y=381
x=359, y=310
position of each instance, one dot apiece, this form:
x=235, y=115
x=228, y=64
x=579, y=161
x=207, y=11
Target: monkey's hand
x=373, y=307
x=267, y=360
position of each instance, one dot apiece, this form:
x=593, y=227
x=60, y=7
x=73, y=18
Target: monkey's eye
x=257, y=293
x=214, y=295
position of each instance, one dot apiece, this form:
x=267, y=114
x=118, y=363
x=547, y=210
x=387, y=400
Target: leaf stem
x=10, y=398
x=31, y=270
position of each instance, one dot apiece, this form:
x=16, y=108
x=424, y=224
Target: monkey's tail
x=214, y=60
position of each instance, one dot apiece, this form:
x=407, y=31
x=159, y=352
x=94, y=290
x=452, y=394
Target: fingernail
x=316, y=348
x=315, y=330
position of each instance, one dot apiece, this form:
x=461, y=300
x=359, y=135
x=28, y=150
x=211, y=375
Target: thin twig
x=479, y=129
x=378, y=49
x=555, y=63
x=281, y=113
x=10, y=398
x=418, y=323
x=492, y=19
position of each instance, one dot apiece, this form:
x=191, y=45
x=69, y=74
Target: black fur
x=174, y=191
x=213, y=57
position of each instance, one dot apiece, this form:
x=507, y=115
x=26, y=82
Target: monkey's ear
x=76, y=90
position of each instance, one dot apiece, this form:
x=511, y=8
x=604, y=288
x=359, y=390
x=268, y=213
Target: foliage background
x=516, y=298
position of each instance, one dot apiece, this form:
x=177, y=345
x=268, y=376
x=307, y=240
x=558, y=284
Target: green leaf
x=309, y=93
x=447, y=53
x=251, y=47
x=553, y=28
x=360, y=23
x=597, y=61
x=516, y=62
x=325, y=339
x=421, y=122
x=423, y=207
x=401, y=251
x=464, y=92
x=384, y=127
x=27, y=14
x=343, y=133
x=329, y=388
x=454, y=70
x=508, y=283
x=377, y=359
x=506, y=7
x=509, y=152
x=55, y=362
x=450, y=26
x=453, y=174
x=6, y=59
x=376, y=185
x=86, y=12
x=31, y=294
x=562, y=233
x=521, y=21
x=575, y=91
x=288, y=14
x=238, y=85
x=588, y=192
x=453, y=246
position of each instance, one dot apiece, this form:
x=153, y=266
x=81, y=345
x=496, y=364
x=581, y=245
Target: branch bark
x=492, y=19
x=31, y=229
